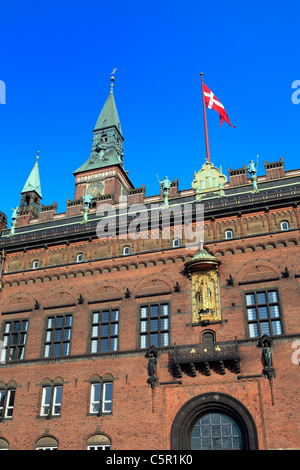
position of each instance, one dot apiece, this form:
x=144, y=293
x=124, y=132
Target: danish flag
x=212, y=102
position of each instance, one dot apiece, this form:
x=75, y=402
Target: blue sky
x=56, y=59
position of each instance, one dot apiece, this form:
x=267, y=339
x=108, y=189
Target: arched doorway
x=213, y=421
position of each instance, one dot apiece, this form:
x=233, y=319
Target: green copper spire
x=109, y=115
x=33, y=182
x=107, y=149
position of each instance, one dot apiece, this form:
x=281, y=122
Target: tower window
x=35, y=264
x=228, y=234
x=126, y=250
x=284, y=225
x=79, y=258
x=176, y=243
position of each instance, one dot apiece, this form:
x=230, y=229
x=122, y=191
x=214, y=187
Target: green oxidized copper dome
x=202, y=259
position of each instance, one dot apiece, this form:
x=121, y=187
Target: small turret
x=31, y=194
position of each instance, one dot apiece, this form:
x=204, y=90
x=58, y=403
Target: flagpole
x=205, y=122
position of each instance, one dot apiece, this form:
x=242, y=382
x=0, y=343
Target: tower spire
x=107, y=146
x=33, y=182
x=31, y=193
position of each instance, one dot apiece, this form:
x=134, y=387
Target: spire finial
x=112, y=79
x=37, y=155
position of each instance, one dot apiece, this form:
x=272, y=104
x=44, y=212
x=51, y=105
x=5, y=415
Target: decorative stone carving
x=208, y=179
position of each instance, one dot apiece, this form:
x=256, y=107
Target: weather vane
x=112, y=74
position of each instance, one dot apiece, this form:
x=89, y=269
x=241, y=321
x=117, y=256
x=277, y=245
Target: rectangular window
x=154, y=325
x=14, y=340
x=58, y=336
x=263, y=313
x=105, y=331
x=51, y=401
x=101, y=398
x=7, y=400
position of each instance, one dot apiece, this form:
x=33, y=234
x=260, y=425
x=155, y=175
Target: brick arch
x=256, y=270
x=98, y=438
x=61, y=296
x=192, y=410
x=106, y=290
x=18, y=302
x=45, y=440
x=158, y=283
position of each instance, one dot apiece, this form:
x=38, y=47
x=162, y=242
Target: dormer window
x=35, y=264
x=79, y=258
x=126, y=250
x=228, y=234
x=284, y=225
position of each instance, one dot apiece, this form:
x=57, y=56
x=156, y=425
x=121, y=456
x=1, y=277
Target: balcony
x=218, y=357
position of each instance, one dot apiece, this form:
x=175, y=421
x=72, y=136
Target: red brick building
x=143, y=342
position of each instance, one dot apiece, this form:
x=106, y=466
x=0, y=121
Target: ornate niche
x=205, y=290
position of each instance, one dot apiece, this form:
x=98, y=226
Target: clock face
x=96, y=188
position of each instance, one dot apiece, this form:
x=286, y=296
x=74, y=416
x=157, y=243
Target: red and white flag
x=212, y=102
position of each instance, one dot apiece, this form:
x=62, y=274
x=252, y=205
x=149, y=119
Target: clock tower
x=103, y=173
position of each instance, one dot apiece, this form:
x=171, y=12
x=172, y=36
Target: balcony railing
x=199, y=356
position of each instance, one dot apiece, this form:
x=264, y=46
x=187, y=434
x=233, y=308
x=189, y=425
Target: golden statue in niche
x=203, y=269
x=204, y=296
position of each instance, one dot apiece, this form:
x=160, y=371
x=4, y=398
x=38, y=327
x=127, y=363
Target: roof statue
x=165, y=184
x=251, y=168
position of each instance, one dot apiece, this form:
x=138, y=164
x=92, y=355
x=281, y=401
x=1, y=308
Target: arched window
x=176, y=243
x=216, y=431
x=126, y=250
x=79, y=258
x=229, y=234
x=208, y=341
x=46, y=443
x=35, y=264
x=3, y=444
x=101, y=394
x=213, y=421
x=284, y=225
x=98, y=442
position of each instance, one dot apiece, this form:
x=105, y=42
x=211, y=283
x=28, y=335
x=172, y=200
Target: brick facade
x=261, y=257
